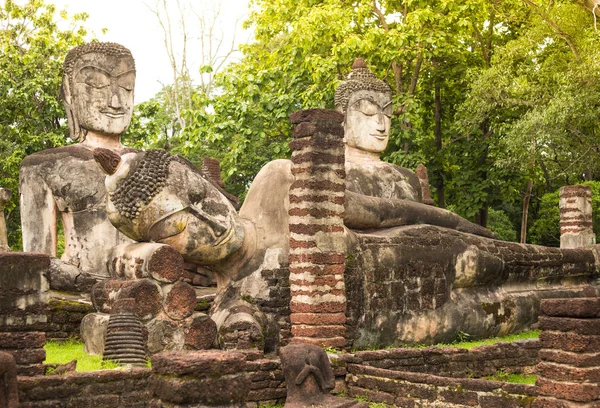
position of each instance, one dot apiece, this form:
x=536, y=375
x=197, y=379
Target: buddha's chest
x=382, y=180
x=77, y=186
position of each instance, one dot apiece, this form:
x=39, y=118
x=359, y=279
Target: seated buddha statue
x=65, y=182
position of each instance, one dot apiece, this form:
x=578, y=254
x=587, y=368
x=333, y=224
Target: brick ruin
x=333, y=292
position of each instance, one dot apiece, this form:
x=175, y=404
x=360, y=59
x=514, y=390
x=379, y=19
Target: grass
x=469, y=344
x=65, y=352
x=513, y=378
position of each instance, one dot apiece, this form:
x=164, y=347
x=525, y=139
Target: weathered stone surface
x=565, y=324
x=198, y=364
x=66, y=181
x=146, y=260
x=9, y=393
x=572, y=391
x=570, y=342
x=572, y=359
x=576, y=217
x=200, y=332
x=93, y=332
x=5, y=196
x=316, y=115
x=578, y=308
x=22, y=340
x=309, y=378
x=179, y=300
x=147, y=294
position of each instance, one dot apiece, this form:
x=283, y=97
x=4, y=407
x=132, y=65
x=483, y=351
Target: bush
x=501, y=225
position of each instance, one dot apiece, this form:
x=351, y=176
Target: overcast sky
x=133, y=24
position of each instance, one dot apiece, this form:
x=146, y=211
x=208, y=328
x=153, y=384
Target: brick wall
x=515, y=357
x=570, y=355
x=408, y=390
x=23, y=302
x=64, y=318
x=100, y=389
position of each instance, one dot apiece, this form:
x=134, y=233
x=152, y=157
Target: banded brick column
x=569, y=368
x=576, y=217
x=317, y=246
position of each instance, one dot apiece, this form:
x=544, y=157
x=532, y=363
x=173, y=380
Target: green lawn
x=65, y=352
x=533, y=334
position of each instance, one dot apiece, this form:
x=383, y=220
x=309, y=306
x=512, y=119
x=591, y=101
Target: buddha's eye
x=387, y=111
x=93, y=77
x=366, y=107
x=127, y=81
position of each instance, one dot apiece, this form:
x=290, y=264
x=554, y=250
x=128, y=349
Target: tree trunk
x=526, y=200
x=438, y=143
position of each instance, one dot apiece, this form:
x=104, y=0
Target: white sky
x=132, y=24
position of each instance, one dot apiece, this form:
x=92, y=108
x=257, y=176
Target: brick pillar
x=569, y=368
x=576, y=217
x=317, y=245
x=421, y=173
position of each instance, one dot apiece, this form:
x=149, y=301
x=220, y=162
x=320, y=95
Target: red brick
x=570, y=342
x=318, y=281
x=563, y=372
x=573, y=359
x=20, y=340
x=572, y=307
x=318, y=318
x=314, y=212
x=320, y=270
x=305, y=229
x=569, y=324
x=308, y=292
x=318, y=331
x=324, y=342
x=316, y=115
x=568, y=390
x=327, y=307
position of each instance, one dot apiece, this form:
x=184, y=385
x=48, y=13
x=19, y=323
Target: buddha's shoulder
x=60, y=154
x=55, y=154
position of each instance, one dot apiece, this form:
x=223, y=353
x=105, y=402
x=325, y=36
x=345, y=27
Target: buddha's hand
x=475, y=229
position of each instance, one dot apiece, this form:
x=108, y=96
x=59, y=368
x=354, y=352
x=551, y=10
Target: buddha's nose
x=380, y=122
x=115, y=101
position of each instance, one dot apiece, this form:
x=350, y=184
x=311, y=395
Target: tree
x=33, y=48
x=302, y=49
x=538, y=98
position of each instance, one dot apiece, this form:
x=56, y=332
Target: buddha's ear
x=65, y=93
x=65, y=90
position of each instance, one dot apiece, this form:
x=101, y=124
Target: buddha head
x=366, y=103
x=97, y=89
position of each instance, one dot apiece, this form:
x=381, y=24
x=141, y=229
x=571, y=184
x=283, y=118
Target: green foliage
x=513, y=378
x=501, y=225
x=65, y=352
x=545, y=230
x=33, y=48
x=533, y=334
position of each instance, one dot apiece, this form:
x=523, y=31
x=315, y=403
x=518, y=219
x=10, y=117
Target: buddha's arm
x=367, y=212
x=38, y=213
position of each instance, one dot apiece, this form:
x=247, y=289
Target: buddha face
x=367, y=123
x=102, y=92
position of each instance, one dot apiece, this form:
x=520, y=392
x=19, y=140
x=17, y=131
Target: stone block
x=570, y=341
x=198, y=364
x=572, y=359
x=568, y=390
x=572, y=307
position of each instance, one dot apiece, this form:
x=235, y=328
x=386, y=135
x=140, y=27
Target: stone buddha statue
x=380, y=194
x=65, y=182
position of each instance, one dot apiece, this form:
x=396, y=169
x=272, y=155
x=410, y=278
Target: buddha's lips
x=379, y=137
x=114, y=115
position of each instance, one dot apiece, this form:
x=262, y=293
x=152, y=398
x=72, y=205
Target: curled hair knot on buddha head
x=359, y=79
